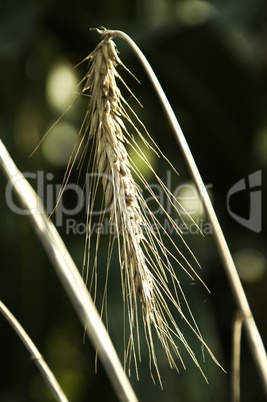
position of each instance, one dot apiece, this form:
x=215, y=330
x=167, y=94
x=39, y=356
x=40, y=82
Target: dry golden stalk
x=145, y=261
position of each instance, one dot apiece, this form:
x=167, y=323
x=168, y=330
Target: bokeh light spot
x=259, y=147
x=190, y=203
x=251, y=264
x=59, y=143
x=61, y=85
x=139, y=160
x=194, y=12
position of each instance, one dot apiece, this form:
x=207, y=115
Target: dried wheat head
x=148, y=268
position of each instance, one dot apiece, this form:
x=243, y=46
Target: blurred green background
x=211, y=59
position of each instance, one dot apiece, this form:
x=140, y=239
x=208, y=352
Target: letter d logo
x=254, y=221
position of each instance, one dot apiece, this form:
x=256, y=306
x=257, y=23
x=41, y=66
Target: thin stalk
x=69, y=276
x=237, y=331
x=253, y=335
x=35, y=354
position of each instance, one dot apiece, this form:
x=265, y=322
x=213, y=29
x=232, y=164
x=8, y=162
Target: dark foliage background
x=211, y=58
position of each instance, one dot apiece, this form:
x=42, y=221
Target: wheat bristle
x=146, y=268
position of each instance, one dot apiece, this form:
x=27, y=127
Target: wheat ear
x=146, y=264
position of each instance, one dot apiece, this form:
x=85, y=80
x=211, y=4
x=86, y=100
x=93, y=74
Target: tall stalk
x=69, y=277
x=254, y=339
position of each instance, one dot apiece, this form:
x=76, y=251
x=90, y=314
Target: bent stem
x=35, y=354
x=69, y=276
x=253, y=335
x=237, y=331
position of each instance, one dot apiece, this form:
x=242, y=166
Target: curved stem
x=69, y=276
x=253, y=335
x=35, y=354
